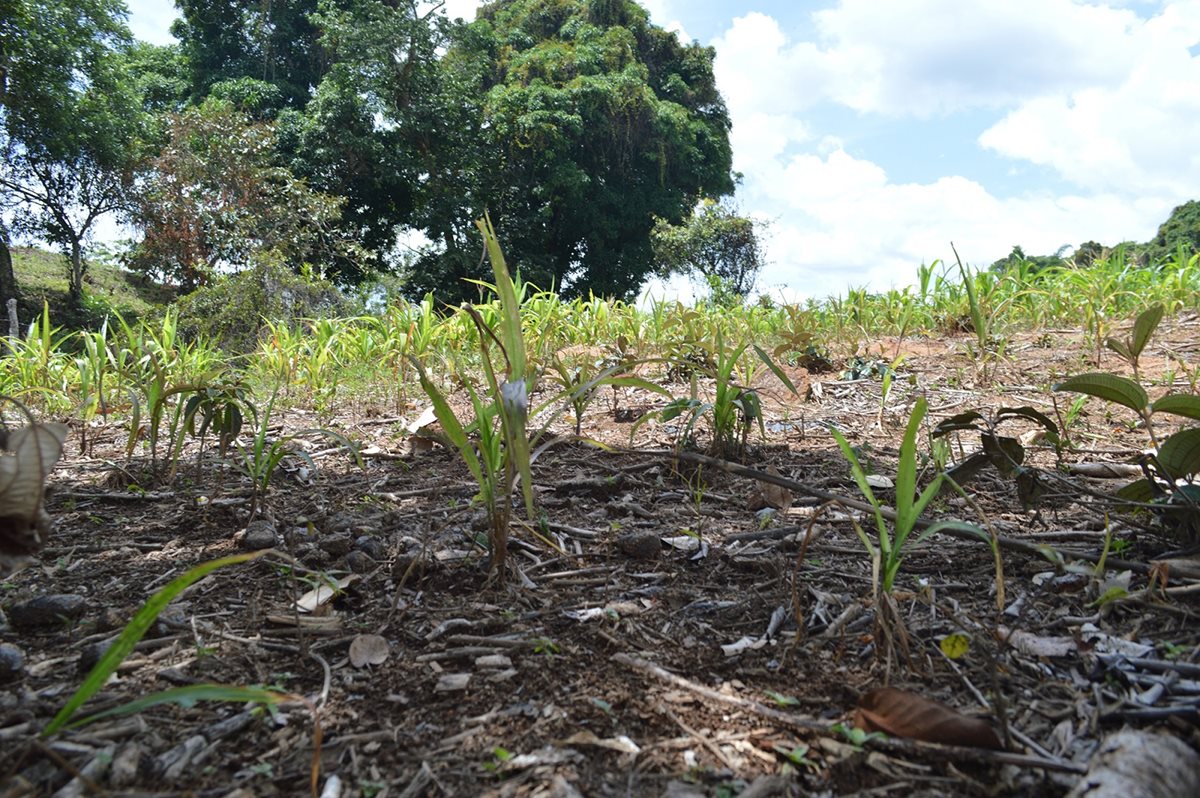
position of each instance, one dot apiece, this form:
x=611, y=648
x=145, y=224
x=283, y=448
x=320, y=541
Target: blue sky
x=872, y=133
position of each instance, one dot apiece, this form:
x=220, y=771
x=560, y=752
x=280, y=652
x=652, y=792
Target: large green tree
x=716, y=243
x=232, y=41
x=592, y=123
x=1180, y=233
x=575, y=122
x=71, y=122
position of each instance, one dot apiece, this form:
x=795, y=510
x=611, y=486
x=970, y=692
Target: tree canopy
x=576, y=123
x=71, y=121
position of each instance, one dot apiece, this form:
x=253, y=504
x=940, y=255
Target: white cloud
x=923, y=57
x=839, y=221
x=920, y=57
x=1138, y=135
x=1110, y=101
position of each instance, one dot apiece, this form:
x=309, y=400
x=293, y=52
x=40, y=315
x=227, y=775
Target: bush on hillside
x=231, y=312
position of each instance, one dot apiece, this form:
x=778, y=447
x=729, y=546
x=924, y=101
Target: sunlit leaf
x=1109, y=387
x=955, y=646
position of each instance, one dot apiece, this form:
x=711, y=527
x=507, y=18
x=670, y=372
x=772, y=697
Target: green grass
x=42, y=279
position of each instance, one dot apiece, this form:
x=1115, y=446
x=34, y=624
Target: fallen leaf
x=368, y=650
x=621, y=743
x=422, y=421
x=1037, y=645
x=955, y=646
x=324, y=593
x=904, y=714
x=24, y=524
x=766, y=494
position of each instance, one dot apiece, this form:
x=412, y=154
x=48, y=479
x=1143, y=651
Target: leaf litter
x=607, y=669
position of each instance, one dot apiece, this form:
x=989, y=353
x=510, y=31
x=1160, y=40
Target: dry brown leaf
x=368, y=650
x=776, y=496
x=765, y=494
x=904, y=714
x=24, y=525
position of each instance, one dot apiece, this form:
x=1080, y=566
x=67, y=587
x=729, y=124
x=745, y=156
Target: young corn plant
x=502, y=455
x=888, y=549
x=262, y=457
x=735, y=407
x=186, y=696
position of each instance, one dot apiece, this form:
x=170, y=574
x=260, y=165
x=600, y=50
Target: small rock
x=640, y=545
x=12, y=662
x=260, y=534
x=297, y=535
x=765, y=516
x=370, y=546
x=359, y=562
x=47, y=612
x=452, y=683
x=337, y=545
x=90, y=654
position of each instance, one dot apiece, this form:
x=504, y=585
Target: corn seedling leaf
x=1180, y=404
x=511, y=334
x=191, y=695
x=1109, y=387
x=961, y=526
x=134, y=631
x=774, y=367
x=906, y=471
x=450, y=424
x=860, y=479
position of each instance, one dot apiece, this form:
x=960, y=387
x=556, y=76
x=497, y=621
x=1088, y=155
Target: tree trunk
x=75, y=287
x=10, y=293
x=8, y=280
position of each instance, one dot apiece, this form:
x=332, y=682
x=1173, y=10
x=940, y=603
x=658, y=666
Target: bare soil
x=656, y=634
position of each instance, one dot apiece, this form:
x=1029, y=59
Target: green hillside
x=42, y=279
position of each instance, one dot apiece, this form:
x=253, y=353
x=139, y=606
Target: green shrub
x=232, y=312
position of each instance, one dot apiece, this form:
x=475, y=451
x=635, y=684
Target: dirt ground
x=646, y=642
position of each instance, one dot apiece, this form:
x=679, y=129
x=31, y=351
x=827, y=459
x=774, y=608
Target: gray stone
x=12, y=662
x=336, y=544
x=260, y=534
x=359, y=562
x=370, y=546
x=47, y=612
